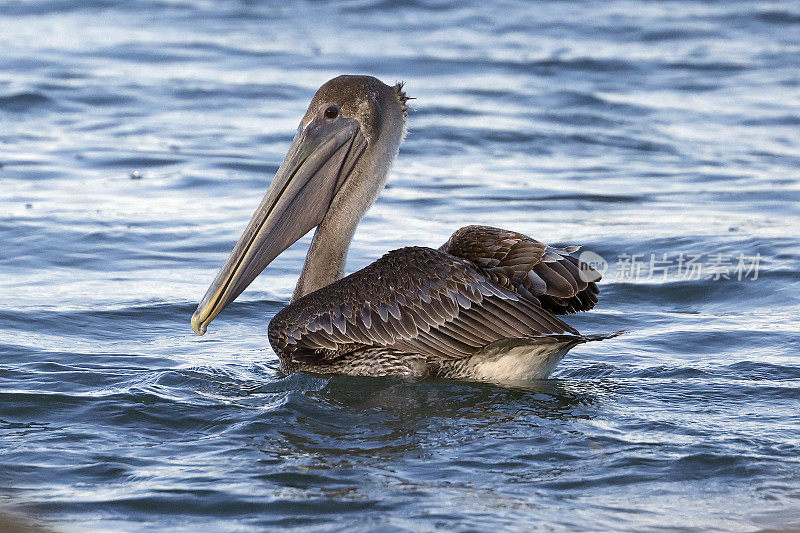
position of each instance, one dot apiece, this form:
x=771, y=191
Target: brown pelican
x=483, y=306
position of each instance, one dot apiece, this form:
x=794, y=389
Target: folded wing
x=417, y=300
x=558, y=281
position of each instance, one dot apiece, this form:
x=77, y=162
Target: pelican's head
x=340, y=156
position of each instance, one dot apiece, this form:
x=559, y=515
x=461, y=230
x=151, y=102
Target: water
x=136, y=140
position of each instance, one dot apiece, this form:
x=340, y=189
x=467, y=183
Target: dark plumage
x=483, y=306
x=484, y=285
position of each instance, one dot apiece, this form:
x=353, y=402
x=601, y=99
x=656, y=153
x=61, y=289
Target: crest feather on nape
x=402, y=97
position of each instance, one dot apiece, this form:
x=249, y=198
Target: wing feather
x=413, y=299
x=550, y=276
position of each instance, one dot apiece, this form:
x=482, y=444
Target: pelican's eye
x=331, y=112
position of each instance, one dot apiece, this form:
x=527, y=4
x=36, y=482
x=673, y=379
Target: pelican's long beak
x=319, y=161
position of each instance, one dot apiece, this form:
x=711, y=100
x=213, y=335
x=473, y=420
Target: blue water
x=136, y=139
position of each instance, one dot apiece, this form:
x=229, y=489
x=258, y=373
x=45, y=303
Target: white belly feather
x=515, y=361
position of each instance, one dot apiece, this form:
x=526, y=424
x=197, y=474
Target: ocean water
x=136, y=139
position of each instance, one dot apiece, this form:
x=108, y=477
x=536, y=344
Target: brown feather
x=464, y=312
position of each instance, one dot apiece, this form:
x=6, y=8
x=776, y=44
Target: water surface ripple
x=136, y=139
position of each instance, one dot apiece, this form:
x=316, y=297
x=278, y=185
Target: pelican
x=483, y=306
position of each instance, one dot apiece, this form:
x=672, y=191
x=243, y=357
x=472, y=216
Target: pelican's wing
x=418, y=300
x=551, y=276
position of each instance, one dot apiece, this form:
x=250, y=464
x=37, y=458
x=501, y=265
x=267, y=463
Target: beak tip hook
x=197, y=326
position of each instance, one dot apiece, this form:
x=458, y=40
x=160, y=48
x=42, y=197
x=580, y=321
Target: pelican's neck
x=327, y=255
